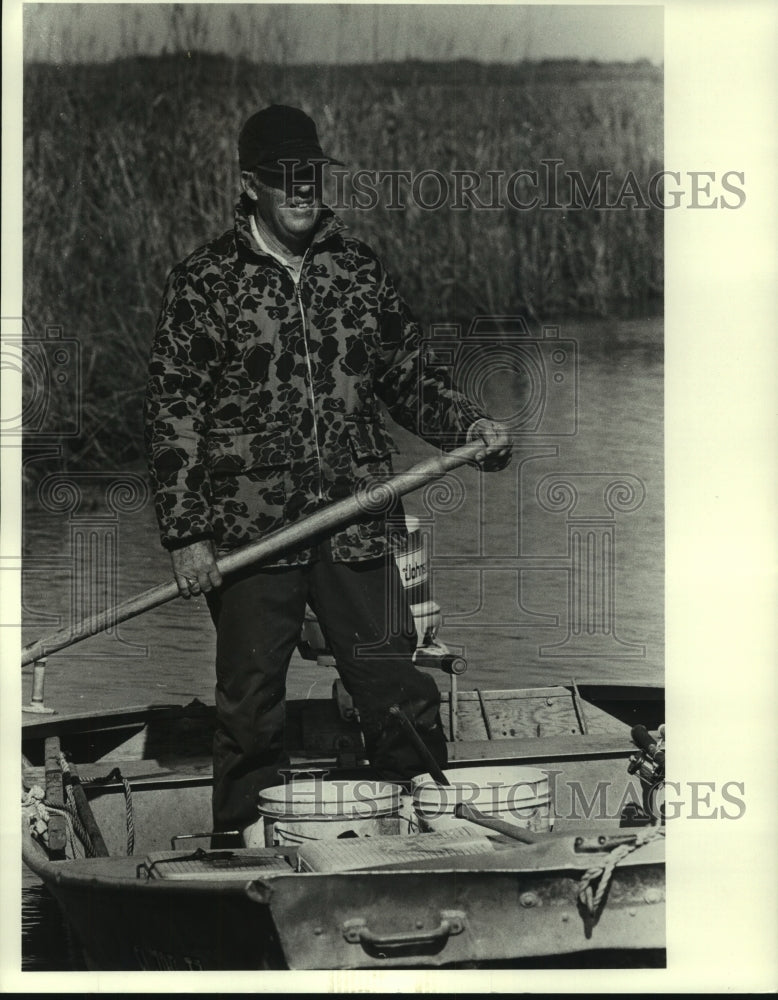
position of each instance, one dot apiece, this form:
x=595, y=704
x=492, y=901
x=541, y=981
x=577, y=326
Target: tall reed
x=129, y=166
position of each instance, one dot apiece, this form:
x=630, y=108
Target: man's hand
x=497, y=442
x=195, y=569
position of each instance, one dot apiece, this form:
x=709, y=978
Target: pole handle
x=374, y=498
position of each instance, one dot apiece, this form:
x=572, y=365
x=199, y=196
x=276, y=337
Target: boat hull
x=440, y=917
x=522, y=906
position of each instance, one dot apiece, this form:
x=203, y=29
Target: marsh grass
x=131, y=165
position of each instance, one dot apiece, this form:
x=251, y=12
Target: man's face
x=290, y=207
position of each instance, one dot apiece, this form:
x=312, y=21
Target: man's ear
x=249, y=185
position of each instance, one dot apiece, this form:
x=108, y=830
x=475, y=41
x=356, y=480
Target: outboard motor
x=413, y=562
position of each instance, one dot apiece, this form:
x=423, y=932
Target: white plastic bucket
x=515, y=794
x=408, y=820
x=325, y=810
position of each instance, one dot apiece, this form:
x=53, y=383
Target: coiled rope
x=35, y=800
x=129, y=811
x=39, y=813
x=72, y=811
x=591, y=899
x=129, y=816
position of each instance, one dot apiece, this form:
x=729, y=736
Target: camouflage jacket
x=262, y=395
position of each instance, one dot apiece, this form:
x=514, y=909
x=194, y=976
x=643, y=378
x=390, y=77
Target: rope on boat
x=38, y=814
x=129, y=810
x=39, y=811
x=129, y=816
x=35, y=801
x=72, y=838
x=72, y=811
x=591, y=899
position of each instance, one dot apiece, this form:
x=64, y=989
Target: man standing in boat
x=274, y=344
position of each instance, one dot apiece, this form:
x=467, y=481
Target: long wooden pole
x=375, y=499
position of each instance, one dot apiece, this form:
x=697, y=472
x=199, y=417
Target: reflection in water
x=46, y=943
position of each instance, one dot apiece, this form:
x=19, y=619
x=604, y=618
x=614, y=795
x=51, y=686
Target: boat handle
x=356, y=931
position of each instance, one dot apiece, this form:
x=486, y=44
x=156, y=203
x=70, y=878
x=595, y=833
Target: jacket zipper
x=298, y=292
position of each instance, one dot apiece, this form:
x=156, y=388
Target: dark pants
x=258, y=616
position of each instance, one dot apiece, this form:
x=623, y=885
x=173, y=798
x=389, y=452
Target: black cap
x=277, y=134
